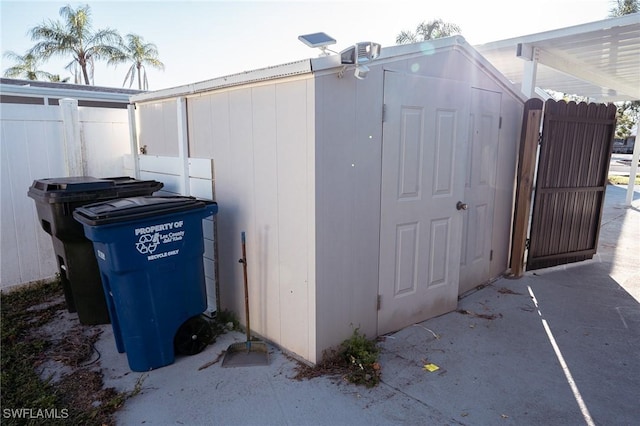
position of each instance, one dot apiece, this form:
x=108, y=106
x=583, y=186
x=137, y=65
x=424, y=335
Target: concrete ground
x=559, y=346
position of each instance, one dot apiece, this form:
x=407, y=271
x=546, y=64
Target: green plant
x=225, y=320
x=622, y=180
x=362, y=356
x=356, y=360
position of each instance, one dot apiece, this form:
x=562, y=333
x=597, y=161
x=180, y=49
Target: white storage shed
x=368, y=202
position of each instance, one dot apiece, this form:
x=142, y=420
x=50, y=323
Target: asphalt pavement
x=560, y=346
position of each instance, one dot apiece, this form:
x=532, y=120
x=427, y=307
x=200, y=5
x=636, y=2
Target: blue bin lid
x=88, y=188
x=135, y=208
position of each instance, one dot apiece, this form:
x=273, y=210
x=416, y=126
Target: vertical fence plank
x=526, y=172
x=74, y=148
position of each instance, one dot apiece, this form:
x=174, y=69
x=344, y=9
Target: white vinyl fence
x=43, y=141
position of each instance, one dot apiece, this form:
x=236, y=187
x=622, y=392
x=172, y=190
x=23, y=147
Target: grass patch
x=356, y=360
x=78, y=397
x=225, y=320
x=622, y=180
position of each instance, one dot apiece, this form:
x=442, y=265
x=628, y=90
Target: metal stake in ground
x=250, y=352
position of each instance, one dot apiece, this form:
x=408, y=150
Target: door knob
x=461, y=206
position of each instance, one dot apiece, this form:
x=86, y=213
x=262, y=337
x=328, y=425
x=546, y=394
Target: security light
x=361, y=72
x=360, y=53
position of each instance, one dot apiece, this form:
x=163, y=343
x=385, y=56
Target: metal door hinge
x=379, y=301
x=539, y=138
x=527, y=243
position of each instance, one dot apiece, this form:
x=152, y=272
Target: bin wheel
x=193, y=336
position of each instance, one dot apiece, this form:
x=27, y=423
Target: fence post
x=75, y=162
x=133, y=140
x=183, y=146
x=526, y=174
x=632, y=173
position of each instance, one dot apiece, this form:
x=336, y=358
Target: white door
x=480, y=188
x=424, y=138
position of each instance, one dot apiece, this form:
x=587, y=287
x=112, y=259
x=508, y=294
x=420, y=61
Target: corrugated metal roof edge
x=62, y=90
x=262, y=74
x=66, y=86
x=327, y=64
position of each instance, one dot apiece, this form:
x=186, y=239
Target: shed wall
x=348, y=178
x=508, y=146
x=298, y=166
x=159, y=129
x=260, y=138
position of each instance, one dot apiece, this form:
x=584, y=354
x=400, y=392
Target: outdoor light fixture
x=355, y=57
x=361, y=72
x=359, y=55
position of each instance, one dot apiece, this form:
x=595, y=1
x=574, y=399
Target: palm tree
x=138, y=53
x=55, y=78
x=431, y=30
x=624, y=7
x=75, y=37
x=26, y=67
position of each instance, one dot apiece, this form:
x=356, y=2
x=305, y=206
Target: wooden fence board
x=526, y=172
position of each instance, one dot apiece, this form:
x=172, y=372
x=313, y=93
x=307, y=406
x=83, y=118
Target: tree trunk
x=139, y=78
x=85, y=74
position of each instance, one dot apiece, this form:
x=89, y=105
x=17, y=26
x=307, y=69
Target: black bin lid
x=134, y=208
x=88, y=188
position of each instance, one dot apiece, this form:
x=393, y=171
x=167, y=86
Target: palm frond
x=406, y=37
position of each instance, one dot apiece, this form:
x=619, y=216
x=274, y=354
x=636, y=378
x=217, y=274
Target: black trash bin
x=56, y=199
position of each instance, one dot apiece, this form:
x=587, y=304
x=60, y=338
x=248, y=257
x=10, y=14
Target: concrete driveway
x=558, y=346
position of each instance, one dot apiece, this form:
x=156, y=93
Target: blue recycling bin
x=149, y=252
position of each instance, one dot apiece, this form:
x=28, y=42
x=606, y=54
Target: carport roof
x=600, y=60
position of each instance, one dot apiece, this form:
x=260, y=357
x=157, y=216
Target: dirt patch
x=483, y=316
x=332, y=365
x=504, y=290
x=354, y=361
x=50, y=368
x=76, y=347
x=83, y=390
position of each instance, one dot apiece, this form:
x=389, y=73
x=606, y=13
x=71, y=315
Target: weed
x=362, y=356
x=356, y=360
x=224, y=318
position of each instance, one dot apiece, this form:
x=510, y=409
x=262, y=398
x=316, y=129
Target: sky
x=201, y=40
